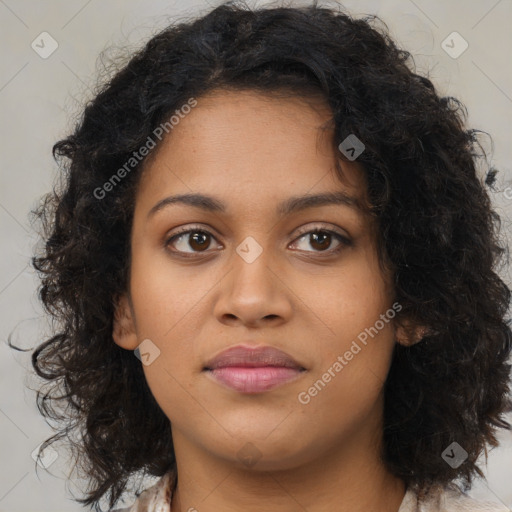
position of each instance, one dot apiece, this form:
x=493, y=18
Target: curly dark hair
x=437, y=231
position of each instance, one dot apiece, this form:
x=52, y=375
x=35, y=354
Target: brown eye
x=321, y=241
x=190, y=241
x=199, y=241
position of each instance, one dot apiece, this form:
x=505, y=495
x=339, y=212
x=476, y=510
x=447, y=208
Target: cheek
x=345, y=386
x=170, y=310
x=357, y=308
x=165, y=296
x=352, y=300
x=169, y=307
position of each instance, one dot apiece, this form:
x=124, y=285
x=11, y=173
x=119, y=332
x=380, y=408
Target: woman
x=285, y=224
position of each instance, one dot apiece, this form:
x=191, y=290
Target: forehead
x=252, y=146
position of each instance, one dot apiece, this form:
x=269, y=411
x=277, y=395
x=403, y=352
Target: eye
x=190, y=241
x=194, y=240
x=321, y=240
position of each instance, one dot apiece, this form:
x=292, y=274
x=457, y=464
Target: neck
x=347, y=479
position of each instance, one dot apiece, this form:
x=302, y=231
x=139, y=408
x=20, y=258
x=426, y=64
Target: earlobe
x=124, y=332
x=408, y=334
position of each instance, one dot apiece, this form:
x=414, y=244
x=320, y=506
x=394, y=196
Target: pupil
x=318, y=238
x=321, y=243
x=196, y=237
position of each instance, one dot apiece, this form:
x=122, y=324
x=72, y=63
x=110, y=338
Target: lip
x=253, y=369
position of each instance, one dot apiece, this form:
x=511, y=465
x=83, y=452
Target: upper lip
x=252, y=357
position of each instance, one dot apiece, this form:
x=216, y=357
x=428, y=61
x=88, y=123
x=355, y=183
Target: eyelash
x=343, y=240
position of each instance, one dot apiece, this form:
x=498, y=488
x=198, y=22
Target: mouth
x=253, y=369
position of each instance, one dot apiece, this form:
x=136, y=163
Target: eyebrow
x=291, y=205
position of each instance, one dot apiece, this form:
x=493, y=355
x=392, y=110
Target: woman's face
x=250, y=272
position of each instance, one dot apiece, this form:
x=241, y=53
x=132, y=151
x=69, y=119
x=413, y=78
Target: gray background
x=39, y=101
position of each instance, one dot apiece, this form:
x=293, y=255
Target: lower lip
x=254, y=380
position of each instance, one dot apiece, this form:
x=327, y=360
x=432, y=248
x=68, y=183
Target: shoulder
x=156, y=498
x=450, y=500
x=458, y=502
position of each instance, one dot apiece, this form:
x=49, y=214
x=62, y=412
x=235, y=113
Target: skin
x=252, y=151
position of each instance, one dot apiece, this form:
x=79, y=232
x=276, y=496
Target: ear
x=124, y=331
x=409, y=333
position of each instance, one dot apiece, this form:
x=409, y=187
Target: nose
x=254, y=294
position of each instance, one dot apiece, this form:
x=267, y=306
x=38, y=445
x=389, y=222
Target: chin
x=264, y=454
